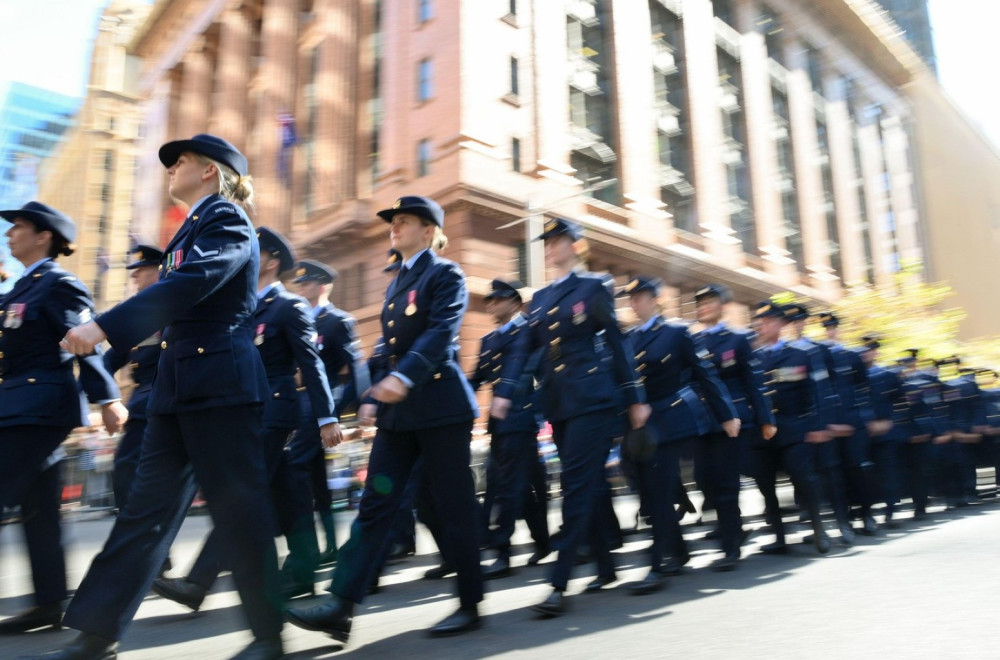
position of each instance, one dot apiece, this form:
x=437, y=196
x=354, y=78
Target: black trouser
x=657, y=477
x=797, y=458
x=719, y=459
x=445, y=454
x=583, y=444
x=27, y=480
x=513, y=457
x=222, y=449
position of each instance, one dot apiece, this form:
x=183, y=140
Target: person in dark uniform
x=719, y=458
x=587, y=380
x=204, y=413
x=425, y=410
x=792, y=373
x=885, y=428
x=924, y=425
x=687, y=400
x=827, y=455
x=336, y=338
x=40, y=402
x=284, y=335
x=514, y=439
x=967, y=415
x=141, y=360
x=849, y=378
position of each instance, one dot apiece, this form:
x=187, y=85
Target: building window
x=515, y=155
x=514, y=86
x=768, y=24
x=423, y=157
x=425, y=10
x=723, y=10
x=425, y=80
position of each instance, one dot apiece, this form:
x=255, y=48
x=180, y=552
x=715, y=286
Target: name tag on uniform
x=791, y=374
x=15, y=315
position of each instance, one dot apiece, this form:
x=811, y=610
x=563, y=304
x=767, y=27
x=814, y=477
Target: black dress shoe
x=776, y=548
x=498, y=569
x=33, y=618
x=598, y=583
x=180, y=590
x=400, y=552
x=675, y=565
x=713, y=534
x=328, y=558
x=554, y=605
x=726, y=564
x=439, y=572
x=869, y=528
x=333, y=618
x=822, y=542
x=846, y=536
x=262, y=649
x=538, y=555
x=84, y=647
x=463, y=620
x=648, y=585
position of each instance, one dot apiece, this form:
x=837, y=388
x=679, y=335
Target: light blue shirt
x=27, y=271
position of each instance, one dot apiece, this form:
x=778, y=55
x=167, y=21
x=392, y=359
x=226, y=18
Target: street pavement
x=929, y=589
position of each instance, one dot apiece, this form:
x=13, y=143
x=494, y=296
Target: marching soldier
x=284, y=336
x=793, y=374
x=141, y=360
x=336, y=339
x=849, y=378
x=425, y=410
x=40, y=401
x=886, y=428
x=720, y=457
x=587, y=379
x=675, y=370
x=514, y=439
x=204, y=411
x=827, y=457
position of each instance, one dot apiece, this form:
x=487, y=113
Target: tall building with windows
x=91, y=175
x=33, y=123
x=913, y=17
x=766, y=144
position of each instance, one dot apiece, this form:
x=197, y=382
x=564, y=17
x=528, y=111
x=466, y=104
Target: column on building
x=279, y=35
x=195, y=100
x=711, y=193
x=398, y=77
x=551, y=98
x=876, y=195
x=761, y=152
x=802, y=117
x=334, y=164
x=902, y=186
x=232, y=77
x=637, y=140
x=842, y=169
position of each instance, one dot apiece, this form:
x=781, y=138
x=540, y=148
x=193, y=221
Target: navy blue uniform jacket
x=204, y=302
x=679, y=381
x=495, y=351
x=585, y=365
x=793, y=374
x=850, y=381
x=37, y=385
x=141, y=360
x=285, y=335
x=336, y=337
x=739, y=370
x=421, y=317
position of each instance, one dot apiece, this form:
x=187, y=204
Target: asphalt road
x=929, y=589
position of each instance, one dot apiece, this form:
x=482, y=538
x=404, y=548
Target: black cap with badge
x=423, y=207
x=560, y=227
x=314, y=271
x=504, y=289
x=278, y=247
x=145, y=255
x=641, y=283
